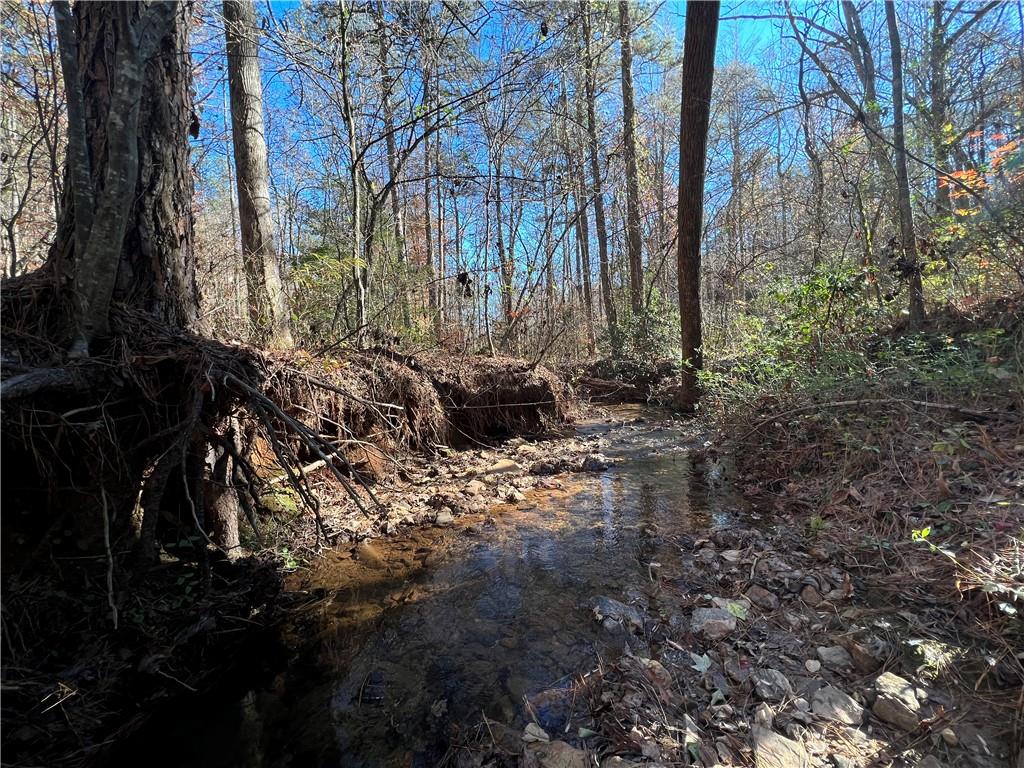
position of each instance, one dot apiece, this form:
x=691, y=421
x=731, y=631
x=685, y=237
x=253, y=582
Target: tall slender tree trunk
x=911, y=268
x=698, y=76
x=634, y=241
x=595, y=173
x=268, y=305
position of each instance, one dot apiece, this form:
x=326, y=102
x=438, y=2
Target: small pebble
x=949, y=736
x=812, y=665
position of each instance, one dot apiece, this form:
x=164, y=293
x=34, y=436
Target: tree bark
x=595, y=173
x=634, y=250
x=268, y=306
x=125, y=231
x=910, y=266
x=695, y=111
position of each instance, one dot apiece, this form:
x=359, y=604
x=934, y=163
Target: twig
x=110, y=557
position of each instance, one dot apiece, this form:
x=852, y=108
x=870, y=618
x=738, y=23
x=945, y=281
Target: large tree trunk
x=695, y=110
x=125, y=231
x=633, y=238
x=268, y=306
x=910, y=267
x=595, y=172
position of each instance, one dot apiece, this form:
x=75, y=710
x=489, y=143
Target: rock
x=774, y=751
x=867, y=651
x=369, y=555
x=595, y=462
x=534, y=732
x=515, y=496
x=835, y=657
x=656, y=673
x=557, y=754
x=832, y=704
x=812, y=665
x=763, y=715
x=771, y=685
x=502, y=467
x=607, y=608
x=811, y=596
x=444, y=516
x=896, y=703
x=475, y=488
x=949, y=736
x=762, y=598
x=713, y=623
x=929, y=761
x=732, y=556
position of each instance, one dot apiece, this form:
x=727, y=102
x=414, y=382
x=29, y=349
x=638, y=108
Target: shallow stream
x=427, y=632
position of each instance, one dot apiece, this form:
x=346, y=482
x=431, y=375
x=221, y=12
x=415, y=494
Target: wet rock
x=607, y=608
x=832, y=704
x=774, y=751
x=762, y=598
x=595, y=462
x=713, y=623
x=534, y=733
x=368, y=554
x=444, y=517
x=764, y=716
x=502, y=467
x=835, y=657
x=557, y=754
x=771, y=685
x=896, y=703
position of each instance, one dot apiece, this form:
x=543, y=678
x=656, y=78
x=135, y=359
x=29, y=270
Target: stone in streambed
x=774, y=751
x=713, y=623
x=833, y=704
x=896, y=703
x=762, y=598
x=771, y=685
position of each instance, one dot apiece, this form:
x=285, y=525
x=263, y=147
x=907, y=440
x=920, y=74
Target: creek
x=414, y=638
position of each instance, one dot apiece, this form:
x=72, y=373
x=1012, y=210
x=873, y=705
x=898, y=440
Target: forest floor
x=859, y=606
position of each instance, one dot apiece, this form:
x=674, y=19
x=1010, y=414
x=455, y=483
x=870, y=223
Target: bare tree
x=634, y=252
x=909, y=265
x=695, y=111
x=268, y=307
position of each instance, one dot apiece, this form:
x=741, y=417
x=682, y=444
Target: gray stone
x=444, y=516
x=763, y=715
x=896, y=703
x=771, y=685
x=833, y=704
x=949, y=736
x=812, y=665
x=762, y=598
x=713, y=623
x=835, y=657
x=534, y=732
x=774, y=751
x=595, y=462
x=502, y=467
x=606, y=608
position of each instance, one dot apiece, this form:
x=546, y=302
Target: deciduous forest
x=466, y=383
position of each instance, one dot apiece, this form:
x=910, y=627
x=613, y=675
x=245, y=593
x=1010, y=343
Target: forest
x=556, y=384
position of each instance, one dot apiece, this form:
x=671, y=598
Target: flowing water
x=435, y=629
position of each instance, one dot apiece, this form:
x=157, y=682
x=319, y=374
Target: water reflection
x=402, y=656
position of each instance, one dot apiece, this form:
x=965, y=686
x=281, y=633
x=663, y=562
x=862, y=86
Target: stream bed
x=419, y=635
